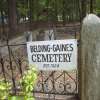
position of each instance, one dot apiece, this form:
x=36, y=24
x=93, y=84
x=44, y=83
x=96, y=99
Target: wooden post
x=12, y=16
x=90, y=58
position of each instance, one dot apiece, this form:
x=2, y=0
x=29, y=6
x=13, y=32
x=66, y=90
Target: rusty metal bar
x=11, y=68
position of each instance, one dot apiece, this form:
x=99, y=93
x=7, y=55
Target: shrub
x=28, y=82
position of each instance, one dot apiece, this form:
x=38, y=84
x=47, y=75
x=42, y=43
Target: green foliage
x=3, y=4
x=15, y=98
x=28, y=82
x=4, y=89
x=22, y=8
x=44, y=9
x=22, y=11
x=98, y=6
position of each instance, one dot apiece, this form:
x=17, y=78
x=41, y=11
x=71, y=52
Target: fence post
x=90, y=59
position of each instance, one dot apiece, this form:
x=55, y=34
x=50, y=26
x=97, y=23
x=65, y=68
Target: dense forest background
x=14, y=12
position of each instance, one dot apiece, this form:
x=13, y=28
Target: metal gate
x=50, y=85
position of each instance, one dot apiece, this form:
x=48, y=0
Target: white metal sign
x=53, y=55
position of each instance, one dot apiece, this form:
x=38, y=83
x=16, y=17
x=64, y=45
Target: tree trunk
x=56, y=12
x=91, y=6
x=83, y=8
x=3, y=35
x=31, y=2
x=12, y=16
x=63, y=14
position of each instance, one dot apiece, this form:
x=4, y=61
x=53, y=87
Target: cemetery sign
x=53, y=55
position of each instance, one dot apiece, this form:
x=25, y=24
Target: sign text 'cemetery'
x=53, y=55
